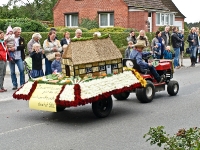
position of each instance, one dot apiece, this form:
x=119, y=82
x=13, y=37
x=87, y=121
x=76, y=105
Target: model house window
x=164, y=19
x=106, y=19
x=72, y=20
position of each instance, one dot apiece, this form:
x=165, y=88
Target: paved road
x=78, y=129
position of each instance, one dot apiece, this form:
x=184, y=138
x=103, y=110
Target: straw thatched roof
x=82, y=52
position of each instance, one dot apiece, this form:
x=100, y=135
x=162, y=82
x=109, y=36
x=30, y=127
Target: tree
x=35, y=10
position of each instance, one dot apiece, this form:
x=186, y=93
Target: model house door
x=108, y=69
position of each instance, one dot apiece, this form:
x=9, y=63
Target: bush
x=109, y=29
x=182, y=140
x=72, y=29
x=89, y=24
x=26, y=24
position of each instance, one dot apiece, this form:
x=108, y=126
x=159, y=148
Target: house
x=94, y=57
x=148, y=15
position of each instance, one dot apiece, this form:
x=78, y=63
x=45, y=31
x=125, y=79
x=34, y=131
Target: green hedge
x=119, y=38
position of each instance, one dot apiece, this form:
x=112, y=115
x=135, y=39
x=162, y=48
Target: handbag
x=51, y=56
x=188, y=50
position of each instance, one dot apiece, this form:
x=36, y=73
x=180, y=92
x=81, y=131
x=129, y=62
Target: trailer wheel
x=146, y=94
x=122, y=96
x=60, y=108
x=102, y=108
x=172, y=88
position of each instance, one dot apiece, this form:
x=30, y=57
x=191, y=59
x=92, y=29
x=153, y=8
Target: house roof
x=165, y=5
x=82, y=52
x=147, y=4
x=172, y=7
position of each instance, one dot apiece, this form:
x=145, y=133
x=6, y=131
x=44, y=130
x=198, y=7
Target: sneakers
x=177, y=67
x=161, y=79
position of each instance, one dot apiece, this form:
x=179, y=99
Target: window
x=72, y=20
x=106, y=19
x=164, y=19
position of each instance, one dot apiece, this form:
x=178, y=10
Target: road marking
x=7, y=99
x=19, y=129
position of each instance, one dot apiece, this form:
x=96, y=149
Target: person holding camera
x=37, y=55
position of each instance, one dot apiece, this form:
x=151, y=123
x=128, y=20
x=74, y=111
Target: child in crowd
x=157, y=51
x=129, y=49
x=37, y=56
x=167, y=53
x=56, y=64
x=10, y=42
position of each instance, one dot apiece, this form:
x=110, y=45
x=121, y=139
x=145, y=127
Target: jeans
x=2, y=72
x=20, y=66
x=193, y=52
x=154, y=73
x=176, y=58
x=48, y=67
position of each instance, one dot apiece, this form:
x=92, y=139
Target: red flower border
x=79, y=101
x=25, y=97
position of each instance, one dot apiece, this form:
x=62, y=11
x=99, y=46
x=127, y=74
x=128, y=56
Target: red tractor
x=146, y=94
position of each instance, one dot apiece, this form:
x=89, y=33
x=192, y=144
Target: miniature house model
x=95, y=56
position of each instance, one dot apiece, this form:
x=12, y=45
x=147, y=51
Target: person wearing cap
x=138, y=54
x=35, y=39
x=10, y=41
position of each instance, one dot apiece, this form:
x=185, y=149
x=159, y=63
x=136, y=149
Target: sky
x=188, y=10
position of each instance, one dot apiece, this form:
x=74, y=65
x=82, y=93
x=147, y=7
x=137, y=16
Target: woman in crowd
x=193, y=41
x=142, y=38
x=35, y=39
x=157, y=45
x=132, y=37
x=50, y=45
x=3, y=61
x=65, y=41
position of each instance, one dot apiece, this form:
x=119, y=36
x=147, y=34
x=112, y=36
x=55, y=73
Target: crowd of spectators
x=12, y=50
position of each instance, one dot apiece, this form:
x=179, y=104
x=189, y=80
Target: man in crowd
x=176, y=44
x=19, y=56
x=166, y=36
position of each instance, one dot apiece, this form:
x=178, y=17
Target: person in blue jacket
x=56, y=64
x=167, y=53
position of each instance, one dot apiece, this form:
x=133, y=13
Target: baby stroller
x=28, y=66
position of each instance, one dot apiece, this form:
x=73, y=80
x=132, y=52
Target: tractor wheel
x=146, y=94
x=122, y=96
x=172, y=88
x=102, y=108
x=60, y=108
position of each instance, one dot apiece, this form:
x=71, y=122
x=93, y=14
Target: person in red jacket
x=3, y=60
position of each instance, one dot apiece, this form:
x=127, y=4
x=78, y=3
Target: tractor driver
x=137, y=54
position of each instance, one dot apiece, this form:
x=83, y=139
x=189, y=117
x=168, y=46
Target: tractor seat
x=139, y=69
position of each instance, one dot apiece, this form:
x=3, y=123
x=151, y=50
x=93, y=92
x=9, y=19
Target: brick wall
x=180, y=19
x=137, y=20
x=89, y=9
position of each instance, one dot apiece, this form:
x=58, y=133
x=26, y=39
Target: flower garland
x=25, y=91
x=138, y=76
x=87, y=92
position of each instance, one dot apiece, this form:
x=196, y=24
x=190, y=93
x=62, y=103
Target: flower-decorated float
x=92, y=71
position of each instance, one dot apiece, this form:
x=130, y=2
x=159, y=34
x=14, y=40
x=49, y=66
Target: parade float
x=92, y=71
